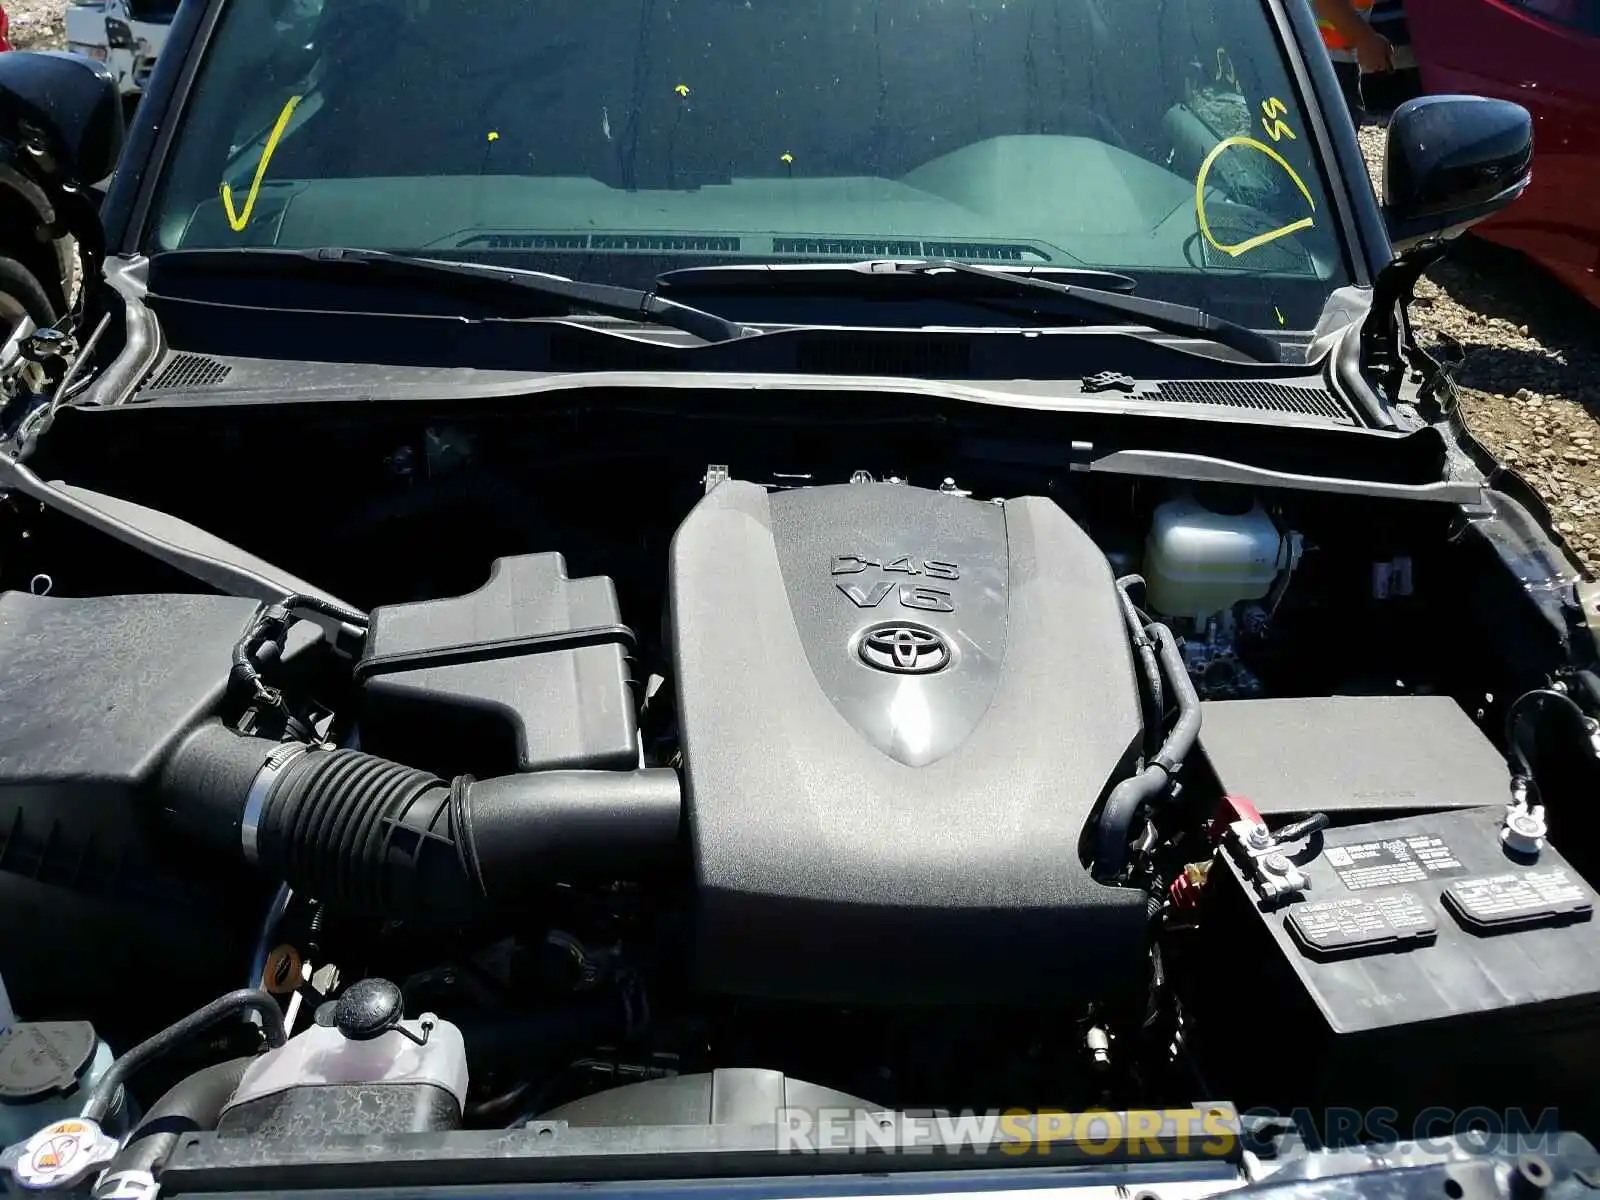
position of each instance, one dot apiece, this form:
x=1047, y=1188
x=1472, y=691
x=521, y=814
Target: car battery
x=1410, y=964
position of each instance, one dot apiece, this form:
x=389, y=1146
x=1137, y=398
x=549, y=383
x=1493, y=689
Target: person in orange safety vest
x=1347, y=32
x=1367, y=38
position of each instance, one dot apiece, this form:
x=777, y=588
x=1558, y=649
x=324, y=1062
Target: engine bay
x=954, y=782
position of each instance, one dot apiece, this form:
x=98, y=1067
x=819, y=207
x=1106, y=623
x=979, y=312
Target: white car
x=126, y=35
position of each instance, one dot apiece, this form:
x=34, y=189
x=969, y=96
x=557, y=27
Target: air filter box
x=531, y=672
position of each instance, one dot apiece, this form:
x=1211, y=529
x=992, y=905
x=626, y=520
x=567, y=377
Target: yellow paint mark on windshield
x=237, y=221
x=1261, y=239
x=1271, y=120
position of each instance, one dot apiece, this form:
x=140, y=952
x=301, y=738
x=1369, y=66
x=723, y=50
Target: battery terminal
x=1263, y=853
x=1524, y=830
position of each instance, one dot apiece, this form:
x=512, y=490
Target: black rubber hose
x=244, y=672
x=195, y=1103
x=263, y=637
x=243, y=1000
x=297, y=604
x=375, y=838
x=572, y=825
x=1130, y=797
x=1127, y=800
x=1186, y=729
x=1150, y=695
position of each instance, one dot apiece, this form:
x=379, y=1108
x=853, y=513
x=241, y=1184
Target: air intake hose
x=372, y=837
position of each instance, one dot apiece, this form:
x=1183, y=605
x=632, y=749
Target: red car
x=1545, y=55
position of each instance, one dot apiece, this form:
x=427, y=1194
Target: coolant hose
x=1149, y=695
x=1129, y=798
x=375, y=838
x=194, y=1103
x=243, y=1000
x=1186, y=729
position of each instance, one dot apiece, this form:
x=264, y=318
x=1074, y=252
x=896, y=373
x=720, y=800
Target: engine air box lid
x=900, y=710
x=530, y=672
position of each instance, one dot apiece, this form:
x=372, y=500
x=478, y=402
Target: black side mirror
x=64, y=111
x=1451, y=161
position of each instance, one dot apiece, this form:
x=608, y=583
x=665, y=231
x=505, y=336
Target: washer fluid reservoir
x=1204, y=556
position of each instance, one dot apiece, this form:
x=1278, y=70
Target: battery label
x=1362, y=865
x=1519, y=898
x=1357, y=923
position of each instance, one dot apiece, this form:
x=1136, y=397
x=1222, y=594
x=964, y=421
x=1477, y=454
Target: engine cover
x=899, y=709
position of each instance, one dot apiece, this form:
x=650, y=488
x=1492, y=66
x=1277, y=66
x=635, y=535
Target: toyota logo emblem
x=904, y=650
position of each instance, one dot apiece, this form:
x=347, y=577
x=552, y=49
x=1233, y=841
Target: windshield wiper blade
x=805, y=276
x=1164, y=316
x=598, y=298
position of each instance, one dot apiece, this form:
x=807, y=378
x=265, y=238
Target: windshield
x=615, y=139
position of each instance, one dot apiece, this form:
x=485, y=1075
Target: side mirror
x=65, y=111
x=1451, y=161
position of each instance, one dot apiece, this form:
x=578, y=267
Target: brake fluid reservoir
x=1203, y=556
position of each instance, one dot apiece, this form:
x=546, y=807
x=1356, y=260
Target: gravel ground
x=1526, y=359
x=1526, y=356
x=36, y=24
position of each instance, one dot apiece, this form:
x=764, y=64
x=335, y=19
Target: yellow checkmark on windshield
x=238, y=220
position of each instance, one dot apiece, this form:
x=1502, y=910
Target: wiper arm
x=598, y=298
x=807, y=276
x=1162, y=315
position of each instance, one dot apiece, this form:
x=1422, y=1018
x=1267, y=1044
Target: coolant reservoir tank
x=1206, y=553
x=378, y=1075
